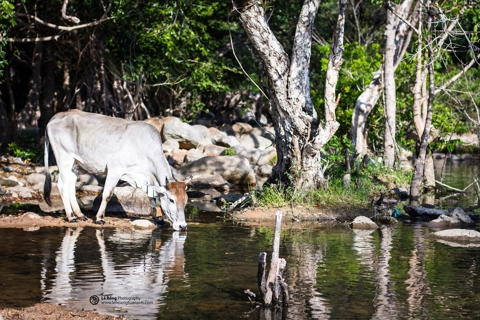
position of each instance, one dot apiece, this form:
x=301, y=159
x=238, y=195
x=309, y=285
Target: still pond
x=333, y=273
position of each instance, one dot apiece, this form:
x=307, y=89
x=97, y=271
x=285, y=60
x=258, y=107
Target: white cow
x=126, y=150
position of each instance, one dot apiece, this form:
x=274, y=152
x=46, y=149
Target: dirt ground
x=52, y=311
x=251, y=216
x=32, y=221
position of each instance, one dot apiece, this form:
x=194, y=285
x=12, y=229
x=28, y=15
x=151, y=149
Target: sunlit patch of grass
x=366, y=183
x=335, y=197
x=271, y=197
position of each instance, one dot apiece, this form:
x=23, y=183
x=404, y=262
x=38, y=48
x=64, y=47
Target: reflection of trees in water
x=306, y=301
x=417, y=285
x=145, y=276
x=385, y=300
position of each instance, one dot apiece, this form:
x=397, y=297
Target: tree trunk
x=390, y=96
x=421, y=106
x=415, y=187
x=48, y=87
x=419, y=88
x=369, y=97
x=4, y=124
x=28, y=116
x=299, y=135
x=65, y=94
x=9, y=130
x=363, y=106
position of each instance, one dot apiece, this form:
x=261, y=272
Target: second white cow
x=125, y=150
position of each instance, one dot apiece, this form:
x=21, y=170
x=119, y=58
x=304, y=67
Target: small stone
x=143, y=224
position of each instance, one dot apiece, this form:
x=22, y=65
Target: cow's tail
x=47, y=187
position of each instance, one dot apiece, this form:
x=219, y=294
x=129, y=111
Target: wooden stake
x=272, y=274
x=262, y=284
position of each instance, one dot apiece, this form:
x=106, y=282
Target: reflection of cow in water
x=143, y=279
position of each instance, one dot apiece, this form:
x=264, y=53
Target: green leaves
x=174, y=43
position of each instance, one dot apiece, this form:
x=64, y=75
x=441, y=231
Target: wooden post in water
x=262, y=284
x=274, y=289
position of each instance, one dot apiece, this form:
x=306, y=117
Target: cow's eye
x=172, y=201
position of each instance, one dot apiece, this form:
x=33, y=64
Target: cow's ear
x=161, y=191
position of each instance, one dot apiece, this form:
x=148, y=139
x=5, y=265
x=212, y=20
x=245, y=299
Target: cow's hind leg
x=110, y=184
x=73, y=197
x=65, y=182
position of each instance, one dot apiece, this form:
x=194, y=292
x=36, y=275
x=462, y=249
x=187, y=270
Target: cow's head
x=173, y=198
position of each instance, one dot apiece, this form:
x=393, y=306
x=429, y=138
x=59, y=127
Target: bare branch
x=450, y=28
x=334, y=63
x=64, y=13
x=64, y=28
x=37, y=39
x=458, y=75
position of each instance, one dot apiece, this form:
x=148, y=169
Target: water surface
x=332, y=273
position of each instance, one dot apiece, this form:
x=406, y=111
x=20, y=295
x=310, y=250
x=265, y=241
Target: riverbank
x=251, y=216
x=52, y=311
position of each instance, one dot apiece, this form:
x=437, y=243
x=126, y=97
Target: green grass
x=366, y=183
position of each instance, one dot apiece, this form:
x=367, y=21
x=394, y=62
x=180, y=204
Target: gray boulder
x=158, y=122
x=235, y=169
x=202, y=133
x=456, y=217
x=458, y=235
x=192, y=155
x=364, y=223
x=242, y=128
x=216, y=134
x=35, y=178
x=206, y=180
x=266, y=132
x=9, y=182
x=170, y=145
x=92, y=189
x=255, y=141
x=255, y=156
x=265, y=170
x=227, y=141
x=129, y=200
x=22, y=192
x=213, y=150
x=187, y=136
x=143, y=224
x=56, y=205
x=461, y=216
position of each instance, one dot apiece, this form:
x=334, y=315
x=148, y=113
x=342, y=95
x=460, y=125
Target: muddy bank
x=52, y=311
x=249, y=216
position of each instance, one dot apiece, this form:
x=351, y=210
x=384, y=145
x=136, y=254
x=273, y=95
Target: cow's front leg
x=110, y=184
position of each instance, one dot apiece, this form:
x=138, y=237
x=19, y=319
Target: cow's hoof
x=100, y=222
x=73, y=220
x=83, y=218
